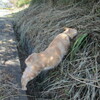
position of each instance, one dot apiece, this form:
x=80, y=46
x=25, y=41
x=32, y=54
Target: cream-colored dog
x=49, y=58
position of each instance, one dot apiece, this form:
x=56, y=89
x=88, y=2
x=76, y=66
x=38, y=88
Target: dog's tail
x=70, y=32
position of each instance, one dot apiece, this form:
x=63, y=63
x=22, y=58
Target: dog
x=49, y=58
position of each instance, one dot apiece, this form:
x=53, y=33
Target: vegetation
x=78, y=76
x=21, y=3
x=78, y=44
x=62, y=2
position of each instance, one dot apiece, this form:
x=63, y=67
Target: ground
x=10, y=71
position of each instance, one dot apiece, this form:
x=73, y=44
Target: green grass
x=78, y=44
x=21, y=3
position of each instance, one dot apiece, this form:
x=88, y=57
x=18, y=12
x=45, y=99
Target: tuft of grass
x=67, y=1
x=78, y=44
x=36, y=1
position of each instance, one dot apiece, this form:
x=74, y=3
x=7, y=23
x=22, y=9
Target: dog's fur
x=49, y=58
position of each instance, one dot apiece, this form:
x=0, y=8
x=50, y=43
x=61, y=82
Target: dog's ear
x=66, y=29
x=28, y=59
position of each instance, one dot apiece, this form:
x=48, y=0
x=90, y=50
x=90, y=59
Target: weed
x=77, y=45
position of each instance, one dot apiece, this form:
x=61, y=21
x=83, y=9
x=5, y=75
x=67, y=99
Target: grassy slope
x=77, y=76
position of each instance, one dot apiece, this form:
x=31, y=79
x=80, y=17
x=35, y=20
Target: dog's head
x=71, y=32
x=25, y=78
x=31, y=70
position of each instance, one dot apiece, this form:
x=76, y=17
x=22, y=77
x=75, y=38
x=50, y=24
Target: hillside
x=77, y=77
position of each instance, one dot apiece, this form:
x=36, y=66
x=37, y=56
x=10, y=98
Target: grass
x=78, y=76
x=21, y=3
x=36, y=1
x=61, y=2
x=78, y=44
x=6, y=87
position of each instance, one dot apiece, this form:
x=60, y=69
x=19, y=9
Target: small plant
x=78, y=44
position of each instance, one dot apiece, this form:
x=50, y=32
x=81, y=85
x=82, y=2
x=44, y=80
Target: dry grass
x=73, y=79
x=7, y=88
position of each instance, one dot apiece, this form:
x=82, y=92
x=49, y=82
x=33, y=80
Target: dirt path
x=10, y=72
x=4, y=12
